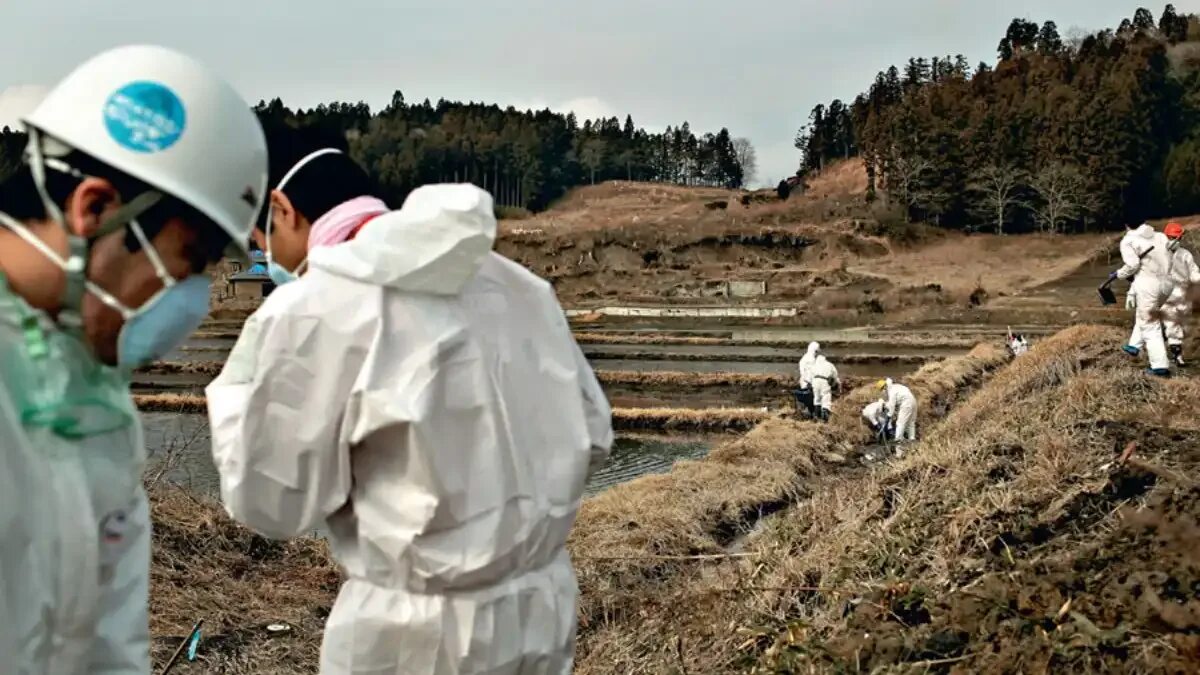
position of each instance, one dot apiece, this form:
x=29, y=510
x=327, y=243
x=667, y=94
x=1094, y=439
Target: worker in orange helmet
x=1178, y=308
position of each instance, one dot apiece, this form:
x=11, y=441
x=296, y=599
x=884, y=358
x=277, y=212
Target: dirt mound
x=1016, y=537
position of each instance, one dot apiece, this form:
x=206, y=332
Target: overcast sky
x=754, y=66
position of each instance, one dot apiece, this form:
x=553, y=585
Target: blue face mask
x=279, y=275
x=163, y=323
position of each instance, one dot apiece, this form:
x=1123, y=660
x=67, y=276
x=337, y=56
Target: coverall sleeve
x=597, y=413
x=276, y=415
x=1131, y=263
x=122, y=643
x=1193, y=270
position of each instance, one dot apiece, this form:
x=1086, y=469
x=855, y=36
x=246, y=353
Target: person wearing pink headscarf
x=420, y=399
x=320, y=197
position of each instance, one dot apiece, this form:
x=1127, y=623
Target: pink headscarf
x=337, y=224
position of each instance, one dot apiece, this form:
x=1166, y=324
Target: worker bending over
x=1147, y=261
x=1178, y=311
x=901, y=407
x=876, y=418
x=824, y=382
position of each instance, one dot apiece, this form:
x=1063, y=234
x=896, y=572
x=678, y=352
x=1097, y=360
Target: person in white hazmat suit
x=1144, y=231
x=1185, y=274
x=1147, y=261
x=805, y=395
x=142, y=167
x=422, y=398
x=875, y=416
x=824, y=381
x=901, y=408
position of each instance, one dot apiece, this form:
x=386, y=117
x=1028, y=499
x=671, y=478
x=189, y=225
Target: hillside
x=827, y=250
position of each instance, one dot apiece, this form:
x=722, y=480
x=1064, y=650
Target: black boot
x=1177, y=355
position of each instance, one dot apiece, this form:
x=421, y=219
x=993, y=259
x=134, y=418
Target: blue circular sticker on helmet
x=144, y=117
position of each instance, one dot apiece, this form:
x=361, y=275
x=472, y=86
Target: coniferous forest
x=525, y=159
x=1063, y=133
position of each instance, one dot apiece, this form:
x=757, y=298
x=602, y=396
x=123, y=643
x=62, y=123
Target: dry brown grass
x=668, y=378
x=736, y=357
x=960, y=263
x=700, y=506
x=184, y=367
x=988, y=526
x=673, y=419
x=840, y=178
x=177, y=403
x=206, y=566
x=916, y=340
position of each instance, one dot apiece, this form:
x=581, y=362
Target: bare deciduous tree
x=592, y=156
x=998, y=187
x=1064, y=196
x=903, y=179
x=747, y=158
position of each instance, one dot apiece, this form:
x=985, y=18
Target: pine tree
x=1048, y=40
x=1143, y=20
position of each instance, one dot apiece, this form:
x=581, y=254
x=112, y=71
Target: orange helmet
x=1173, y=230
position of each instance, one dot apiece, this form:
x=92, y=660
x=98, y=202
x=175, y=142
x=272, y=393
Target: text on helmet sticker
x=144, y=117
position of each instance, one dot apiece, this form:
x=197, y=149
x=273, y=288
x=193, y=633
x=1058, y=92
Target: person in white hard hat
x=142, y=168
x=421, y=398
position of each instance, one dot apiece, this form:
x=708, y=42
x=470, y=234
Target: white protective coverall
x=824, y=376
x=1178, y=310
x=423, y=398
x=875, y=414
x=806, y=364
x=1143, y=231
x=75, y=552
x=1147, y=261
x=901, y=406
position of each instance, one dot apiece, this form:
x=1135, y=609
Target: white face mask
x=279, y=274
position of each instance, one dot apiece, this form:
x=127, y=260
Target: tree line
x=1062, y=134
x=525, y=159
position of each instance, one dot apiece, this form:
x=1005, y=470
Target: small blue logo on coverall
x=144, y=117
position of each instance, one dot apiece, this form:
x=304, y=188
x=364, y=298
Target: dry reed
x=1011, y=501
x=667, y=419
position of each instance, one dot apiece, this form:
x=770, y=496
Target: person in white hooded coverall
x=1185, y=274
x=806, y=395
x=1128, y=252
x=142, y=167
x=1147, y=260
x=901, y=407
x=824, y=381
x=876, y=417
x=422, y=398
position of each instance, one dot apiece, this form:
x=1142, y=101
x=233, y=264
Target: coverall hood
x=434, y=244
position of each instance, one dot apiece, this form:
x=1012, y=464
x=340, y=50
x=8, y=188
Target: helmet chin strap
x=70, y=316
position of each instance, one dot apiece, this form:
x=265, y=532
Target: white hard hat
x=164, y=119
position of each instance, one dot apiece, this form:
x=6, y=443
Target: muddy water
x=179, y=446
